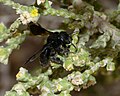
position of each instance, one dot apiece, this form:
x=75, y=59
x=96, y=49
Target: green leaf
x=4, y=54
x=101, y=41
x=4, y=32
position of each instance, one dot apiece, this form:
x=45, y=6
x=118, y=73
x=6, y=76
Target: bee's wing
x=33, y=57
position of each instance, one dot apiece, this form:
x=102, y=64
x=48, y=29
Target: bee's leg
x=66, y=49
x=61, y=51
x=55, y=59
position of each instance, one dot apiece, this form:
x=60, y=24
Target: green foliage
x=96, y=38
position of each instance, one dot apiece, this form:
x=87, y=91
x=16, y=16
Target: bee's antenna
x=74, y=47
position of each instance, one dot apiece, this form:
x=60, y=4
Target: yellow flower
x=59, y=87
x=34, y=13
x=18, y=75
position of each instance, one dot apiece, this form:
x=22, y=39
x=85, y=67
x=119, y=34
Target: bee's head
x=65, y=38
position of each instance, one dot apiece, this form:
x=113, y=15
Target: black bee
x=57, y=44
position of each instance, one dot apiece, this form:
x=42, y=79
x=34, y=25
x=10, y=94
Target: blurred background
x=106, y=85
